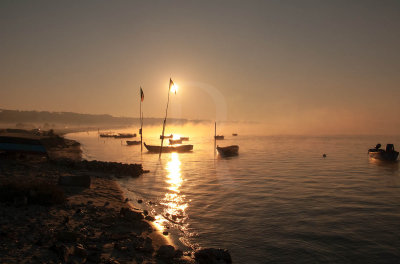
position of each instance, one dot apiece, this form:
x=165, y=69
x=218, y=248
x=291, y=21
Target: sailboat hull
x=169, y=149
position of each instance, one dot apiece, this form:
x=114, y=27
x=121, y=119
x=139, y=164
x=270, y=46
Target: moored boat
x=168, y=149
x=234, y=134
x=125, y=135
x=219, y=137
x=132, y=142
x=386, y=155
x=107, y=135
x=175, y=141
x=184, y=138
x=228, y=151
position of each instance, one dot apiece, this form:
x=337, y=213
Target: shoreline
x=95, y=223
x=60, y=208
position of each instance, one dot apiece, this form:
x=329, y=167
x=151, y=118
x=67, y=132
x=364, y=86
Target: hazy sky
x=298, y=66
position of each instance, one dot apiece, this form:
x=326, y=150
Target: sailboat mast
x=165, y=121
x=141, y=122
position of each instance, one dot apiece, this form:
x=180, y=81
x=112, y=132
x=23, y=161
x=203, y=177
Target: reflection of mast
x=165, y=119
x=215, y=137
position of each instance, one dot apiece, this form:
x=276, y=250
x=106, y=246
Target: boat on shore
x=168, y=149
x=228, y=151
x=132, y=142
x=175, y=141
x=164, y=137
x=385, y=155
x=219, y=137
x=125, y=135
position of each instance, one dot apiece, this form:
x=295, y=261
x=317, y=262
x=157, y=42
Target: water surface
x=279, y=201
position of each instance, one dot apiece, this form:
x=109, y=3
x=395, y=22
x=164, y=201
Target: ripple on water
x=279, y=200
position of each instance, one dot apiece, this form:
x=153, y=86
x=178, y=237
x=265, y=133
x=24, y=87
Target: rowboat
x=132, y=142
x=175, y=141
x=170, y=136
x=184, y=138
x=234, y=134
x=219, y=137
x=228, y=151
x=107, y=135
x=386, y=155
x=168, y=149
x=126, y=135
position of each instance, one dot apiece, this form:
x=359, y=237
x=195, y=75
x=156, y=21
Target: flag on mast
x=171, y=83
x=141, y=94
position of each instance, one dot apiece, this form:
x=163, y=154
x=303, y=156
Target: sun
x=174, y=88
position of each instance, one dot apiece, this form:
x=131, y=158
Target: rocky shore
x=65, y=210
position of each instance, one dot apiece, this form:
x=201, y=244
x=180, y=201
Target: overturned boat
x=168, y=149
x=228, y=151
x=386, y=155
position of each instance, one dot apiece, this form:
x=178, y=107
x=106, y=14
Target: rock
x=150, y=218
x=106, y=203
x=148, y=245
x=145, y=212
x=130, y=215
x=166, y=252
x=165, y=233
x=77, y=181
x=20, y=201
x=62, y=251
x=140, y=201
x=111, y=261
x=212, y=256
x=94, y=256
x=67, y=236
x=80, y=251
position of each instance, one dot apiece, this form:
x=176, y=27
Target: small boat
x=184, y=138
x=107, y=135
x=168, y=149
x=234, y=134
x=228, y=151
x=126, y=135
x=132, y=142
x=170, y=136
x=219, y=137
x=386, y=155
x=175, y=141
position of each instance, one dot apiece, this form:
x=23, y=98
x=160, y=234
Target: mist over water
x=278, y=201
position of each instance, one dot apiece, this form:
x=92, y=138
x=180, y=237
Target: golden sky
x=296, y=66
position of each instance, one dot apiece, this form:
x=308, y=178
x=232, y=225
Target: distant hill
x=47, y=119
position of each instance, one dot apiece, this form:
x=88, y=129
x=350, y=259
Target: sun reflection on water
x=174, y=202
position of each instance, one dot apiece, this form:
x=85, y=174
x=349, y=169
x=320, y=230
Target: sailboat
x=167, y=149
